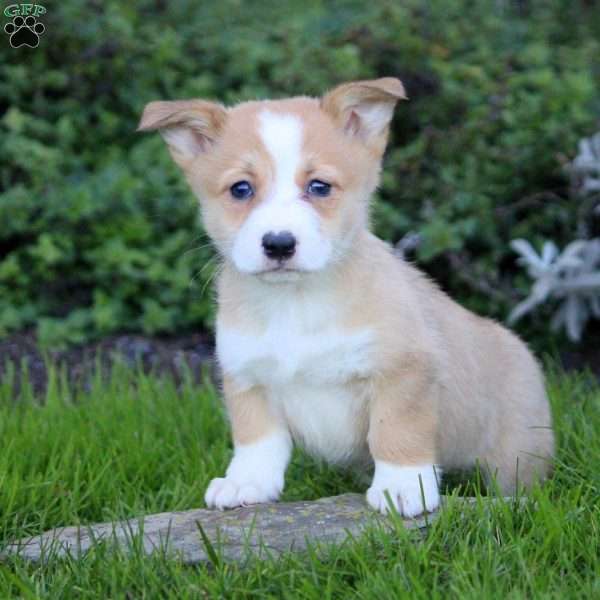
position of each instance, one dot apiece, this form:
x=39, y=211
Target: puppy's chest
x=286, y=352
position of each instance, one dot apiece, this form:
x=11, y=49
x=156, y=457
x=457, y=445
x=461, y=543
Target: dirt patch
x=162, y=355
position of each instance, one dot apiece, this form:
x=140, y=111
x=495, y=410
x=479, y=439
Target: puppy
x=324, y=336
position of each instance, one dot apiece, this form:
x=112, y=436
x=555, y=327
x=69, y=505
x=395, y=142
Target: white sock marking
x=403, y=484
x=255, y=474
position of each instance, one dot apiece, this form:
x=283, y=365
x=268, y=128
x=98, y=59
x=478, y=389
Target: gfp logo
x=24, y=29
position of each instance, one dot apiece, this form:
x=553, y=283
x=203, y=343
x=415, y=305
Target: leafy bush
x=99, y=232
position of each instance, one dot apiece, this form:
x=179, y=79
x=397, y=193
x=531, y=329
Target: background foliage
x=99, y=233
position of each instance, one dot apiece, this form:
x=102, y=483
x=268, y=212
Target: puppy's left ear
x=364, y=108
x=190, y=127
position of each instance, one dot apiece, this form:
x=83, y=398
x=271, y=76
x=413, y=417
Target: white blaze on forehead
x=282, y=207
x=282, y=136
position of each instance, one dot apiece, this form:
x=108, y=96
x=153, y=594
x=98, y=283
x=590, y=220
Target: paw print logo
x=24, y=31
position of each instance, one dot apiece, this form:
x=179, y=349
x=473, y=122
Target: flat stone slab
x=197, y=536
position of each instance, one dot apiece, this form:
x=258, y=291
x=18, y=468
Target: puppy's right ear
x=189, y=127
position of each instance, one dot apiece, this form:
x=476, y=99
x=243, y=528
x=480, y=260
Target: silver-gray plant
x=586, y=165
x=571, y=277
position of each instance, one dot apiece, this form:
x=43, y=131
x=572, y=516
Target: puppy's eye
x=316, y=187
x=242, y=190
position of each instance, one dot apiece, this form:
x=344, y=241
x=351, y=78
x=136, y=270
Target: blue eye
x=242, y=190
x=316, y=187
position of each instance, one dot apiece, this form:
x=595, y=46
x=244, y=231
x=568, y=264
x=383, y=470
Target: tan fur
x=402, y=424
x=448, y=387
x=249, y=413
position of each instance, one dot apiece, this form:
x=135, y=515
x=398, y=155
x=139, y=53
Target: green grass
x=136, y=444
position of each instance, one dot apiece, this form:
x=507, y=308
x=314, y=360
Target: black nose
x=279, y=246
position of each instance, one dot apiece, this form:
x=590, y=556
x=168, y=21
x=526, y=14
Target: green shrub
x=99, y=232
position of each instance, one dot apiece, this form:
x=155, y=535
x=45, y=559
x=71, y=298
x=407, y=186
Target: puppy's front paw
x=403, y=486
x=225, y=492
x=255, y=474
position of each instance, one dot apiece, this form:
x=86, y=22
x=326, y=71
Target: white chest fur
x=310, y=370
x=283, y=355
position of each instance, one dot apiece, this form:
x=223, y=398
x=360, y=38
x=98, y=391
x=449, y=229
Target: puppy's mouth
x=280, y=266
x=280, y=272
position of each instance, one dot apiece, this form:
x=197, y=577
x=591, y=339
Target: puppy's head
x=284, y=185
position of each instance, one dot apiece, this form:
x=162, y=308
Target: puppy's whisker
x=217, y=271
x=198, y=248
x=208, y=264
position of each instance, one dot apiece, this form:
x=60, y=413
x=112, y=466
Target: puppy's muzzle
x=279, y=246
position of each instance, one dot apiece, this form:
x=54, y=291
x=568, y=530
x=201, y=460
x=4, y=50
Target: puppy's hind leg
x=524, y=446
x=524, y=459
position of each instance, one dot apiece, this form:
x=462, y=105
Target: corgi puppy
x=324, y=336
